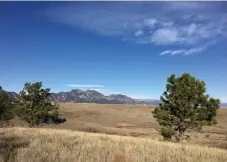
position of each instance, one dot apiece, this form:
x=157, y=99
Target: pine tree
x=6, y=106
x=185, y=106
x=35, y=107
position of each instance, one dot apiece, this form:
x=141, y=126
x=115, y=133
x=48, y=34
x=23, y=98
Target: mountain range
x=92, y=96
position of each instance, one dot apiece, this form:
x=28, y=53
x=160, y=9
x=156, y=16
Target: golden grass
x=133, y=120
x=47, y=145
x=130, y=120
x=121, y=119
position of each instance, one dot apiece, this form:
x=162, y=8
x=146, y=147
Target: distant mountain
x=88, y=96
x=150, y=101
x=224, y=104
x=92, y=96
x=12, y=95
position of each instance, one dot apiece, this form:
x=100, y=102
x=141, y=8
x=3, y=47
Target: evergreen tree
x=185, y=106
x=35, y=107
x=6, y=106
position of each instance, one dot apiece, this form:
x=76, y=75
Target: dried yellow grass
x=129, y=120
x=47, y=145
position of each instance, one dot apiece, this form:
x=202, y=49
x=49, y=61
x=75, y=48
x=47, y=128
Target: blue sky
x=113, y=47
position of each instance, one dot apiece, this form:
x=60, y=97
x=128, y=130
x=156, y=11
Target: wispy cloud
x=184, y=52
x=180, y=24
x=188, y=51
x=85, y=86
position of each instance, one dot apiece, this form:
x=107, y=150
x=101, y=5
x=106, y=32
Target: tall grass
x=47, y=145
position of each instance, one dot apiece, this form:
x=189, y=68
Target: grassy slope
x=136, y=120
x=39, y=145
x=133, y=120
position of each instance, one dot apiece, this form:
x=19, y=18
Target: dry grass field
x=133, y=120
x=117, y=133
x=52, y=145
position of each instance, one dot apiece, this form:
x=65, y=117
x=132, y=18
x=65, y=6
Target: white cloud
x=166, y=23
x=165, y=36
x=173, y=52
x=166, y=52
x=195, y=50
x=85, y=86
x=190, y=50
x=150, y=22
x=138, y=33
x=191, y=29
x=184, y=51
